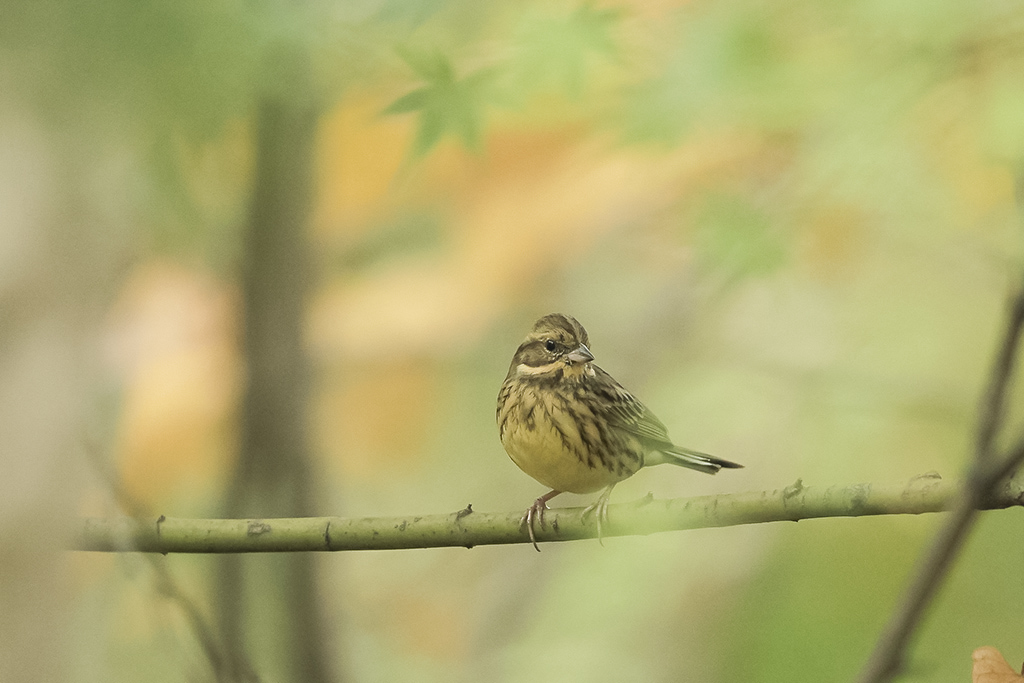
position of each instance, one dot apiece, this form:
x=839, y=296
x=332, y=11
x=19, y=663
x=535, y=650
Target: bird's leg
x=601, y=507
x=534, y=512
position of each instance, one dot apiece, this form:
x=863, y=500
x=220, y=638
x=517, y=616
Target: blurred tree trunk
x=269, y=605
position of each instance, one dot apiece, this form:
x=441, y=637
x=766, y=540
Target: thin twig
x=216, y=653
x=887, y=659
x=999, y=471
x=994, y=400
x=986, y=474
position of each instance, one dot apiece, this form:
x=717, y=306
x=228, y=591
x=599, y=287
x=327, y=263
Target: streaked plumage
x=569, y=425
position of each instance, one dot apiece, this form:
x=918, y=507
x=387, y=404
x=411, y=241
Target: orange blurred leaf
x=991, y=667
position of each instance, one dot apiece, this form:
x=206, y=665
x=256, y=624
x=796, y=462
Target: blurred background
x=274, y=258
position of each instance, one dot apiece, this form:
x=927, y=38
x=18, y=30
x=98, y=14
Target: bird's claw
x=534, y=512
x=600, y=506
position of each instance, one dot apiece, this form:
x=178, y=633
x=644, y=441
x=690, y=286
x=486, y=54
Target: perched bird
x=569, y=425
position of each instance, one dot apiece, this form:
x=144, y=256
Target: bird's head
x=556, y=342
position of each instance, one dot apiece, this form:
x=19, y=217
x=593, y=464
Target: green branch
x=468, y=528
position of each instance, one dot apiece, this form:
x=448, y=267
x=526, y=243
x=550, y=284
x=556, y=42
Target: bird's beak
x=581, y=355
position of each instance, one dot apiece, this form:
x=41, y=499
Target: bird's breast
x=554, y=443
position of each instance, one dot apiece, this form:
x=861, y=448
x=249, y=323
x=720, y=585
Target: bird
x=568, y=424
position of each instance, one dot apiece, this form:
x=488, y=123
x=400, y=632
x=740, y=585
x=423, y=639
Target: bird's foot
x=535, y=512
x=600, y=506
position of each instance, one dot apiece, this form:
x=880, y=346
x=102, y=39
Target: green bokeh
x=836, y=350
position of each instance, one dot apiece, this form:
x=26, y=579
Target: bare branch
x=992, y=407
x=468, y=528
x=986, y=473
x=218, y=653
x=887, y=658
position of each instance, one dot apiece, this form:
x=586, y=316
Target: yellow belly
x=541, y=453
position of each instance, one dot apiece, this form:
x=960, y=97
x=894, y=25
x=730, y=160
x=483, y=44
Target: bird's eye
x=550, y=345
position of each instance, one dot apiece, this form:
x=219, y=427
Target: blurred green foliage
x=735, y=239
x=445, y=103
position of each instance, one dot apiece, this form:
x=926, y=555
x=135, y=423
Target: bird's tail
x=695, y=460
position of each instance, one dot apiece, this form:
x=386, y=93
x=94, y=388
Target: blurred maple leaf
x=558, y=51
x=445, y=103
x=990, y=667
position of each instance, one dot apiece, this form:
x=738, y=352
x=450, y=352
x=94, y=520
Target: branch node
x=463, y=513
x=794, y=489
x=257, y=527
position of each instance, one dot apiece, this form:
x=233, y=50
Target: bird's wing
x=622, y=410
